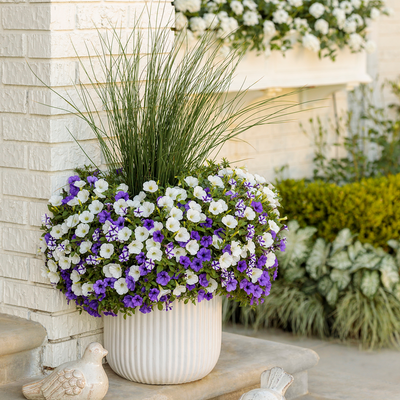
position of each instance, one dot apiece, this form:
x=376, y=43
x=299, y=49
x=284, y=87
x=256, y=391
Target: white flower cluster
x=320, y=26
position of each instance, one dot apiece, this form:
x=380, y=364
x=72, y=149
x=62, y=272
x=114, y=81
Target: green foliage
x=369, y=207
x=345, y=289
x=369, y=136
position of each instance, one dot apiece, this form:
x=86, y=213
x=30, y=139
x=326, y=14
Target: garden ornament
x=274, y=383
x=83, y=379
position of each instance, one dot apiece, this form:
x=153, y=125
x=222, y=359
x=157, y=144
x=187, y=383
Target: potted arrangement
x=152, y=241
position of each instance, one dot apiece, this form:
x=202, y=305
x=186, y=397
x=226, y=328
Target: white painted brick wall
x=37, y=153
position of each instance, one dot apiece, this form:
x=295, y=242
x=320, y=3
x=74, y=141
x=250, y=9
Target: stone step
x=20, y=342
x=238, y=370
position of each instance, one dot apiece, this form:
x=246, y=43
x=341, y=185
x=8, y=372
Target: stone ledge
x=238, y=370
x=18, y=334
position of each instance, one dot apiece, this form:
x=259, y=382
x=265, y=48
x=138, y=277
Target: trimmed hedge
x=370, y=207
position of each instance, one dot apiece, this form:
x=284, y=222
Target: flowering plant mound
x=215, y=233
x=322, y=26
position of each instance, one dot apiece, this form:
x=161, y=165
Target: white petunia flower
x=251, y=247
x=106, y=226
x=269, y=29
x=230, y=221
x=225, y=261
x=356, y=3
x=141, y=233
x=82, y=230
x=56, y=231
x=52, y=266
x=96, y=206
x=176, y=213
x=122, y=188
x=192, y=247
x=120, y=207
x=99, y=194
x=271, y=258
x=87, y=288
x=273, y=226
x=135, y=247
x=134, y=272
x=151, y=243
x=198, y=25
x=150, y=186
x=77, y=289
x=179, y=290
x=64, y=228
x=216, y=181
x=194, y=206
x=72, y=220
x=106, y=250
x=83, y=196
x=188, y=5
x=191, y=181
x=295, y=3
x=375, y=13
x=120, y=286
x=193, y=215
x=249, y=213
x=172, y=224
x=124, y=234
x=75, y=277
x=322, y=26
x=191, y=277
x=101, y=185
x=163, y=292
x=350, y=26
x=250, y=18
x=54, y=277
x=158, y=226
x=311, y=42
x=199, y=192
x=279, y=17
x=75, y=259
x=269, y=241
x=147, y=209
x=140, y=197
x=223, y=205
x=85, y=247
x=316, y=10
x=216, y=241
x=182, y=235
x=236, y=248
x=346, y=6
x=237, y=7
x=181, y=22
x=106, y=271
x=115, y=270
x=356, y=41
x=256, y=274
x=179, y=252
x=154, y=253
x=181, y=194
x=215, y=208
x=86, y=217
x=212, y=286
x=56, y=200
x=166, y=202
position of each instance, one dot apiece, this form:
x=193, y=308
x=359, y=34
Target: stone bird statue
x=83, y=379
x=274, y=383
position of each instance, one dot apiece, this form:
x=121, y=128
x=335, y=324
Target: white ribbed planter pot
x=166, y=347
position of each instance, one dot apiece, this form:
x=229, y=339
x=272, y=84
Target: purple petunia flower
x=261, y=261
x=143, y=270
x=153, y=294
x=257, y=206
x=67, y=199
x=140, y=258
x=227, y=249
x=273, y=234
x=282, y=245
x=110, y=313
x=190, y=287
x=185, y=261
x=267, y=289
x=204, y=254
x=195, y=235
x=92, y=180
x=207, y=224
x=104, y=216
x=231, y=285
x=145, y=309
x=257, y=291
x=264, y=279
x=119, y=223
x=122, y=195
x=275, y=275
x=241, y=266
x=130, y=282
x=99, y=287
x=95, y=248
x=148, y=224
x=208, y=296
x=110, y=282
x=197, y=264
x=158, y=236
x=218, y=232
x=206, y=241
x=201, y=294
x=163, y=278
x=128, y=301
x=203, y=279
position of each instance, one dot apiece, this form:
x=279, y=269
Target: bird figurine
x=83, y=379
x=274, y=383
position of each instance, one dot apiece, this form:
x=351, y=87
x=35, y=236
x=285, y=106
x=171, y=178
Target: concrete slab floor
x=344, y=372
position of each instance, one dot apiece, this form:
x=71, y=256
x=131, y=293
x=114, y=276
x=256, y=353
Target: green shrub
x=370, y=207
